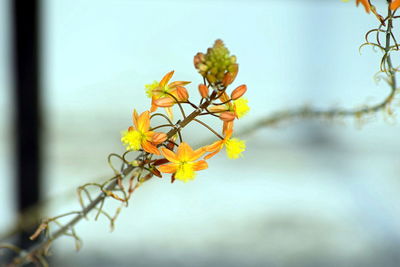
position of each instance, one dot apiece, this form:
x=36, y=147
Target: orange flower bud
x=228, y=79
x=227, y=116
x=203, y=89
x=217, y=108
x=230, y=76
x=164, y=102
x=156, y=172
x=158, y=138
x=198, y=58
x=170, y=145
x=183, y=94
x=160, y=161
x=238, y=92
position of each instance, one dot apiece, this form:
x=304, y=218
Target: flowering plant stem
x=165, y=96
x=36, y=252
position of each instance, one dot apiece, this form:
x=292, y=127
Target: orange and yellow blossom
x=162, y=89
x=184, y=162
x=234, y=146
x=140, y=136
x=231, y=109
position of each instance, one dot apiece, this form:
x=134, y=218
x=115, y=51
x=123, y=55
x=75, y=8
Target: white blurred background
x=306, y=193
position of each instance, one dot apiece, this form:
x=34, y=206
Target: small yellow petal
x=150, y=88
x=185, y=172
x=132, y=140
x=235, y=147
x=241, y=107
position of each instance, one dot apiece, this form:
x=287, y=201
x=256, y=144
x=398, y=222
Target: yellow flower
x=162, y=89
x=140, y=136
x=132, y=139
x=150, y=88
x=241, y=108
x=234, y=146
x=184, y=162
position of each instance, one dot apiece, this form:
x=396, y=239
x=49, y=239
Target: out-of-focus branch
x=310, y=113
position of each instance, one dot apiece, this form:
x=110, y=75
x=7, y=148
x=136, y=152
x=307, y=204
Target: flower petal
x=168, y=168
x=166, y=78
x=228, y=133
x=184, y=152
x=158, y=138
x=214, y=146
x=213, y=154
x=135, y=118
x=395, y=4
x=200, y=165
x=164, y=102
x=197, y=154
x=169, y=155
x=234, y=148
x=153, y=106
x=227, y=116
x=217, y=108
x=149, y=147
x=224, y=97
x=177, y=83
x=143, y=122
x=227, y=126
x=170, y=113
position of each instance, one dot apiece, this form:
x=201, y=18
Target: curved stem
x=209, y=128
x=161, y=126
x=179, y=104
x=40, y=249
x=162, y=115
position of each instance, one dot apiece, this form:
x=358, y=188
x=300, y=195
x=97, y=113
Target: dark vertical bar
x=26, y=56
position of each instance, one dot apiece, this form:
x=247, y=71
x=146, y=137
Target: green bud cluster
x=215, y=63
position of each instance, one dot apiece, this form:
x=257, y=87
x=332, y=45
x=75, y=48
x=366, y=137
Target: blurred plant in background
x=154, y=150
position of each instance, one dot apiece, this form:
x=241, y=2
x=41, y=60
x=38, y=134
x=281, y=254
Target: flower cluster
x=165, y=151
